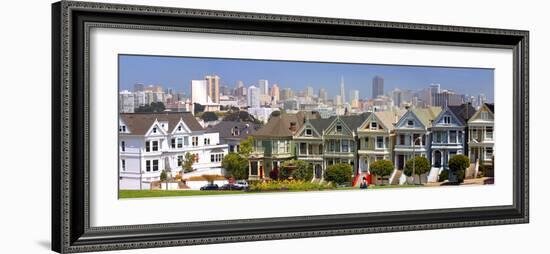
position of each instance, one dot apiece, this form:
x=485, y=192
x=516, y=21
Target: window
x=180, y=160
x=122, y=128
x=180, y=142
x=373, y=125
x=488, y=153
x=123, y=146
x=155, y=130
x=173, y=143
x=235, y=131
x=231, y=148
x=148, y=165
x=379, y=157
x=155, y=145
x=207, y=141
x=489, y=133
x=337, y=146
x=474, y=135
x=452, y=137
x=379, y=142
x=148, y=146
x=410, y=123
x=195, y=141
x=446, y=119
x=179, y=128
x=216, y=157
x=484, y=115
x=303, y=147
x=459, y=136
x=338, y=128
x=309, y=132
x=401, y=139
x=345, y=146
x=196, y=157
x=155, y=165
x=186, y=141
x=416, y=139
x=123, y=164
x=437, y=137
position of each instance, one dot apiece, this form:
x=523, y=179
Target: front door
x=318, y=171
x=437, y=159
x=400, y=161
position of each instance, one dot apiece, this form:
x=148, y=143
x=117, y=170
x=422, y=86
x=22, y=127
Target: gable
x=155, y=130
x=447, y=119
x=410, y=121
x=338, y=127
x=482, y=115
x=373, y=123
x=181, y=128
x=307, y=130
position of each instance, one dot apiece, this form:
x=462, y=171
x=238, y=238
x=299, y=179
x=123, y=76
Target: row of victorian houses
x=152, y=142
x=359, y=140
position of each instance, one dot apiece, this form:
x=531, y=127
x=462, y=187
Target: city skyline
x=177, y=73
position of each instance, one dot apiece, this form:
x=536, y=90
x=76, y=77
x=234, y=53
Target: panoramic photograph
x=191, y=126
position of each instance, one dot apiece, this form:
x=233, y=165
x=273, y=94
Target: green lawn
x=171, y=193
x=183, y=193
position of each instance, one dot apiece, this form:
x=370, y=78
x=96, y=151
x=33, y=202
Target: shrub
x=458, y=165
x=235, y=166
x=288, y=185
x=274, y=174
x=340, y=173
x=444, y=175
x=297, y=169
x=381, y=168
x=163, y=175
x=421, y=166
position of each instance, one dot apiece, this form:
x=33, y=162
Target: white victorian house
x=152, y=142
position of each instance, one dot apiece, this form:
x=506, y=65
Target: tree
x=209, y=117
x=340, y=173
x=381, y=168
x=246, y=146
x=154, y=107
x=187, y=165
x=458, y=165
x=297, y=169
x=421, y=166
x=235, y=166
x=164, y=177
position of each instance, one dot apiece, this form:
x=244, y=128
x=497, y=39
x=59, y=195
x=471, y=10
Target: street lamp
x=414, y=154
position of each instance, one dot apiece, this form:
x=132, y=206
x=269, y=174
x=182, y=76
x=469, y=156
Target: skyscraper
x=275, y=93
x=253, y=97
x=264, y=86
x=342, y=92
x=199, y=92
x=213, y=83
x=397, y=97
x=323, y=95
x=354, y=98
x=309, y=91
x=377, y=86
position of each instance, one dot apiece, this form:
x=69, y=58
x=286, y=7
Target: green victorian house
x=273, y=144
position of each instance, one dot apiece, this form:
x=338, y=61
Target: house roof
x=140, y=123
x=321, y=124
x=426, y=115
x=354, y=121
x=279, y=126
x=491, y=107
x=225, y=129
x=464, y=112
x=389, y=118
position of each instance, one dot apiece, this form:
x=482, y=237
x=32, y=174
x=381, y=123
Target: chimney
x=292, y=126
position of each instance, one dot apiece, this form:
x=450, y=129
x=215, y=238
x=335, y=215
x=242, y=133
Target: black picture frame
x=71, y=231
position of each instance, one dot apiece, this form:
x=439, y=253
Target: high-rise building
x=126, y=102
x=253, y=97
x=342, y=92
x=338, y=100
x=264, y=86
x=354, y=98
x=286, y=93
x=377, y=86
x=448, y=98
x=323, y=95
x=213, y=89
x=275, y=93
x=199, y=92
x=139, y=87
x=309, y=91
x=397, y=97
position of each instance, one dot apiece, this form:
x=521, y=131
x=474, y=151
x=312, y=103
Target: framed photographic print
x=182, y=126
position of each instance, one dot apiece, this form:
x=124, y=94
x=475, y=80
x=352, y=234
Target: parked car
x=242, y=183
x=210, y=187
x=231, y=186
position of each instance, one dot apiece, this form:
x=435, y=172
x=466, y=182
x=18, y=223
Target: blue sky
x=177, y=73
